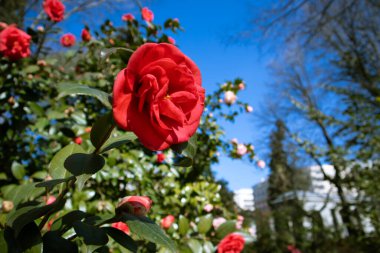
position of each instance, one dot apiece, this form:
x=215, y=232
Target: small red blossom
x=86, y=36
x=78, y=140
x=160, y=157
x=54, y=9
x=147, y=14
x=121, y=226
x=232, y=243
x=167, y=221
x=68, y=40
x=14, y=43
x=128, y=17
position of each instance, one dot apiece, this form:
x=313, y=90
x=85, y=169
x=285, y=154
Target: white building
x=260, y=195
x=244, y=199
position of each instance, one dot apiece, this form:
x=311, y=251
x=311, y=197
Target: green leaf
x=225, y=229
x=183, y=225
x=118, y=141
x=80, y=163
x=65, y=89
x=208, y=247
x=18, y=219
x=205, y=223
x=56, y=166
x=18, y=170
x=30, y=239
x=90, y=234
x=65, y=222
x=148, y=230
x=186, y=152
x=121, y=238
x=51, y=183
x=101, y=130
x=53, y=242
x=195, y=246
x=20, y=193
x=30, y=69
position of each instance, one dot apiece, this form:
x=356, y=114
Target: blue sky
x=208, y=25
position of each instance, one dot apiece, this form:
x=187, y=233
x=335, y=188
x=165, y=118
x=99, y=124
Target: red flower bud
x=136, y=205
x=167, y=221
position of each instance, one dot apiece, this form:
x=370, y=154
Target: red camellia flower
x=232, y=243
x=121, y=226
x=128, y=17
x=147, y=14
x=159, y=96
x=86, y=36
x=68, y=40
x=160, y=157
x=54, y=9
x=136, y=205
x=14, y=43
x=167, y=221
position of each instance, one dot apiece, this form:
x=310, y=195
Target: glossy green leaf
x=20, y=193
x=205, y=223
x=208, y=247
x=91, y=235
x=118, y=141
x=183, y=225
x=53, y=242
x=18, y=170
x=66, y=89
x=121, y=238
x=195, y=246
x=101, y=130
x=148, y=230
x=185, y=152
x=66, y=222
x=30, y=239
x=30, y=69
x=225, y=229
x=56, y=166
x=51, y=183
x=80, y=163
x=18, y=219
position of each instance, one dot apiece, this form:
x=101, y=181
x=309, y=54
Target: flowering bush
x=72, y=179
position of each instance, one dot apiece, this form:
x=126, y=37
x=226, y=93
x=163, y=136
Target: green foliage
x=49, y=151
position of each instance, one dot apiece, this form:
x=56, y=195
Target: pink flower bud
x=40, y=28
x=208, y=208
x=229, y=97
x=41, y=63
x=50, y=200
x=234, y=141
x=241, y=86
x=249, y=108
x=88, y=129
x=171, y=40
x=261, y=164
x=136, y=205
x=121, y=226
x=7, y=206
x=217, y=222
x=241, y=149
x=167, y=221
